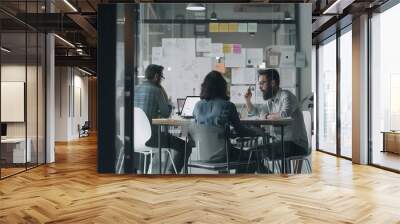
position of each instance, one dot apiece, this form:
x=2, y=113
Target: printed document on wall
x=244, y=76
x=203, y=44
x=254, y=56
x=156, y=55
x=235, y=60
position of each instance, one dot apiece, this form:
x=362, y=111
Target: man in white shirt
x=280, y=103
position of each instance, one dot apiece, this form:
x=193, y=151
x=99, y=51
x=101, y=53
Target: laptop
x=188, y=106
x=179, y=103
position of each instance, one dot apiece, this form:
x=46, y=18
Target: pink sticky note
x=237, y=48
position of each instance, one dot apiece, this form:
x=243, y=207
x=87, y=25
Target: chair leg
x=145, y=163
x=248, y=162
x=309, y=165
x=172, y=161
x=151, y=163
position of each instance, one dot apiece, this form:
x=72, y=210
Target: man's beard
x=268, y=94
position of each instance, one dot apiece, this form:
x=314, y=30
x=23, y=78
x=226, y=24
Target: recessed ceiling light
x=195, y=7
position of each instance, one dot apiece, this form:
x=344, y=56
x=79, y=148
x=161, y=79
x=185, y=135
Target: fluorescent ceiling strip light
x=70, y=5
x=5, y=50
x=331, y=7
x=84, y=71
x=65, y=41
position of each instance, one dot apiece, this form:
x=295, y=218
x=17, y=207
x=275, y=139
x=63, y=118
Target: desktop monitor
x=3, y=130
x=188, y=106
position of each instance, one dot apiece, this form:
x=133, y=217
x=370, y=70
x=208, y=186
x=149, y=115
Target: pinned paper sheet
x=254, y=56
x=213, y=27
x=235, y=60
x=252, y=27
x=217, y=50
x=244, y=76
x=237, y=48
x=227, y=48
x=238, y=92
x=287, y=57
x=242, y=28
x=203, y=44
x=287, y=77
x=156, y=55
x=233, y=27
x=223, y=27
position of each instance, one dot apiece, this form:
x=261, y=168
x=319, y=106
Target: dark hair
x=152, y=70
x=214, y=86
x=271, y=74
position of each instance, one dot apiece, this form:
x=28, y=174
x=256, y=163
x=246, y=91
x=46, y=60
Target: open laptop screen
x=188, y=107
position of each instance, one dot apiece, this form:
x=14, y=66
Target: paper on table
x=223, y=27
x=213, y=27
x=252, y=27
x=235, y=60
x=254, y=56
x=244, y=76
x=242, y=28
x=227, y=48
x=238, y=92
x=233, y=27
x=203, y=44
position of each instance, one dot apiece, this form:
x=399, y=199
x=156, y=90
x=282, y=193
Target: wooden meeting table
x=182, y=122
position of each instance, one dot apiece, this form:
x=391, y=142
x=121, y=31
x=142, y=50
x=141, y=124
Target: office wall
x=16, y=73
x=71, y=102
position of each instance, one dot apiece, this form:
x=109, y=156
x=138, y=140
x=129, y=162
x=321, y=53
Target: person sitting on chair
x=280, y=103
x=151, y=97
x=216, y=110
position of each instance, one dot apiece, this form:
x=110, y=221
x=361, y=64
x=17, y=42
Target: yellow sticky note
x=214, y=27
x=227, y=48
x=233, y=27
x=223, y=27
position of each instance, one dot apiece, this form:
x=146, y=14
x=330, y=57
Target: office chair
x=142, y=123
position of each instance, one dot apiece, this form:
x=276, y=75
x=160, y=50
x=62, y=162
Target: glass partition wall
x=189, y=41
x=334, y=95
x=22, y=94
x=385, y=89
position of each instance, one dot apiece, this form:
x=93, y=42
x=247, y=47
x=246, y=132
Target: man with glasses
x=278, y=104
x=151, y=97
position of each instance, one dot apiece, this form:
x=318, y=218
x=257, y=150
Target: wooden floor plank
x=71, y=191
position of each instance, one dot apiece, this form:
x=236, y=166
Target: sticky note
x=223, y=27
x=227, y=48
x=213, y=27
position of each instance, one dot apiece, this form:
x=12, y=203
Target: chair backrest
x=142, y=129
x=307, y=123
x=211, y=142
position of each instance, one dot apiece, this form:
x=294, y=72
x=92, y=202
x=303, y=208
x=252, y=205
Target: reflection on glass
x=15, y=150
x=327, y=97
x=346, y=94
x=189, y=45
x=385, y=86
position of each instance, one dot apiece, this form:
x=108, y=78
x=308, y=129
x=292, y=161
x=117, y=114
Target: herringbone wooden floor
x=71, y=191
